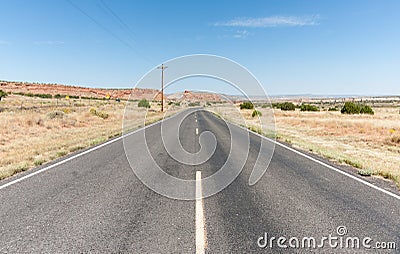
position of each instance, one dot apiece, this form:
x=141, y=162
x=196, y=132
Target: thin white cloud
x=241, y=34
x=49, y=42
x=272, y=21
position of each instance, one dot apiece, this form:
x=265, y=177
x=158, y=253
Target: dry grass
x=34, y=131
x=363, y=141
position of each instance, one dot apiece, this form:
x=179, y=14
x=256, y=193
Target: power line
x=106, y=29
x=123, y=25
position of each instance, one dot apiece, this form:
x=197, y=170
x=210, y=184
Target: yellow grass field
x=368, y=142
x=34, y=131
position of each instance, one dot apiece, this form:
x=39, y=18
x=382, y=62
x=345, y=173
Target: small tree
x=144, y=103
x=287, y=106
x=354, y=108
x=256, y=113
x=2, y=94
x=308, y=107
x=351, y=108
x=246, y=105
x=365, y=109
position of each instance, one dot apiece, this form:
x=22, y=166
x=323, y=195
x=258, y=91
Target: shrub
x=354, y=108
x=194, y=104
x=2, y=94
x=255, y=129
x=55, y=114
x=362, y=172
x=287, y=106
x=40, y=95
x=246, y=105
x=365, y=109
x=144, y=103
x=308, y=107
x=44, y=96
x=333, y=109
x=39, y=162
x=256, y=113
x=66, y=110
x=351, y=108
x=395, y=139
x=100, y=114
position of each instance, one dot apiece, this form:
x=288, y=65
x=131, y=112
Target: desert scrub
x=365, y=172
x=56, y=114
x=246, y=105
x=285, y=106
x=255, y=129
x=354, y=108
x=67, y=110
x=98, y=113
x=144, y=103
x=2, y=94
x=39, y=162
x=395, y=140
x=352, y=163
x=256, y=113
x=194, y=104
x=308, y=107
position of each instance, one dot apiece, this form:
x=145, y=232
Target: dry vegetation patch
x=367, y=142
x=34, y=131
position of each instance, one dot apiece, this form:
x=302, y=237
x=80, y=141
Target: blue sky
x=292, y=47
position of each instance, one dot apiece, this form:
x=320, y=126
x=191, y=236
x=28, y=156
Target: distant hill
x=195, y=96
x=133, y=94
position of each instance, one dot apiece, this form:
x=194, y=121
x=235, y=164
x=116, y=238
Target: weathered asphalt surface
x=95, y=203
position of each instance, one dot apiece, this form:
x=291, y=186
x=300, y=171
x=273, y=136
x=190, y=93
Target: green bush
x=246, y=105
x=256, y=113
x=2, y=94
x=44, y=96
x=333, y=109
x=194, y=104
x=365, y=109
x=308, y=107
x=287, y=106
x=354, y=108
x=350, y=108
x=144, y=103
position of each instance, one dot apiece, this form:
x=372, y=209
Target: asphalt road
x=95, y=203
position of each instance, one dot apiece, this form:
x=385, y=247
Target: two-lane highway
x=95, y=203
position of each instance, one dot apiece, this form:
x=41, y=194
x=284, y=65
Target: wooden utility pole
x=162, y=67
